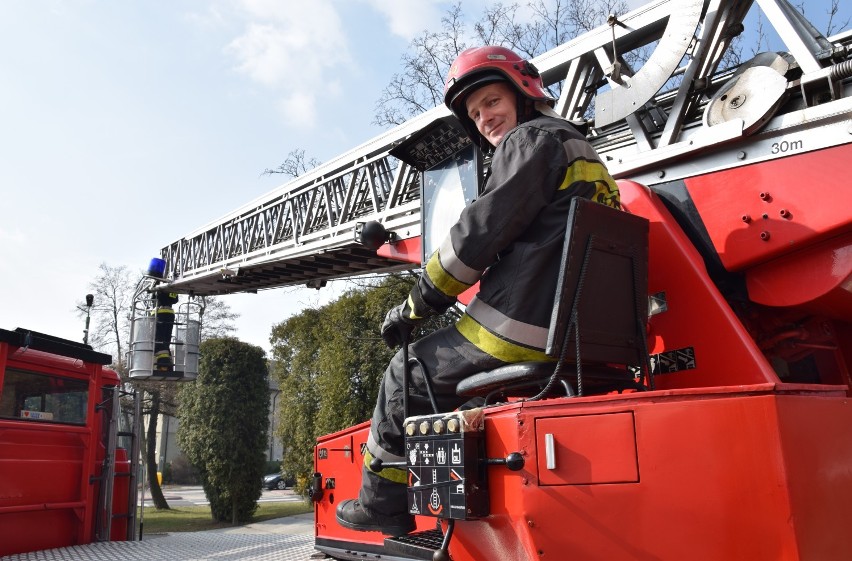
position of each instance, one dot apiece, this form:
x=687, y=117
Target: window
x=43, y=398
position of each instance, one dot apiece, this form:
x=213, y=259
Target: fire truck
x=705, y=412
x=66, y=445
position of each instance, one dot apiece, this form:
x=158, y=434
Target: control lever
x=378, y=465
x=514, y=461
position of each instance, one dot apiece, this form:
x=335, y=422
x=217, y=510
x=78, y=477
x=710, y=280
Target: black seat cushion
x=504, y=377
x=525, y=379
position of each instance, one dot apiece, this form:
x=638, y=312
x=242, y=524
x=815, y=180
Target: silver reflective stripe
x=577, y=148
x=453, y=265
x=501, y=324
x=378, y=452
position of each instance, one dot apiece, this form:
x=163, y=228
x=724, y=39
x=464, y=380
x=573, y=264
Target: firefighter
x=514, y=231
x=164, y=324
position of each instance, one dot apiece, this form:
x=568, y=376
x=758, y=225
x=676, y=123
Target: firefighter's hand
x=397, y=327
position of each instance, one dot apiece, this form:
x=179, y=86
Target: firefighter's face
x=493, y=109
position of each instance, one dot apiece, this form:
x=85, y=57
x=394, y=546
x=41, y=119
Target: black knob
x=371, y=234
x=441, y=555
x=514, y=461
x=376, y=465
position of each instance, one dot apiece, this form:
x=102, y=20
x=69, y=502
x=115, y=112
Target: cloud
x=300, y=109
x=408, y=19
x=11, y=236
x=294, y=48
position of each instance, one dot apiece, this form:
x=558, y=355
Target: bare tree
x=110, y=328
x=217, y=319
x=832, y=26
x=295, y=165
x=113, y=290
x=419, y=86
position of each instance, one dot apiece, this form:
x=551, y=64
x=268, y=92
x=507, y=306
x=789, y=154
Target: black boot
x=382, y=506
x=163, y=361
x=355, y=516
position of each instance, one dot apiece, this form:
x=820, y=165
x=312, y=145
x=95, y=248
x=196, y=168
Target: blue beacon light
x=157, y=268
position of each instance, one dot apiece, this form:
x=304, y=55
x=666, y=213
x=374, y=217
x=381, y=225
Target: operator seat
x=597, y=333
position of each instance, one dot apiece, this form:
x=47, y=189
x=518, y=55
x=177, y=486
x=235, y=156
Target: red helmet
x=476, y=67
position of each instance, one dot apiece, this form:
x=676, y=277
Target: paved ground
x=282, y=539
x=187, y=495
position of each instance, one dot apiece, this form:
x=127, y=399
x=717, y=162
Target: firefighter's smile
x=493, y=109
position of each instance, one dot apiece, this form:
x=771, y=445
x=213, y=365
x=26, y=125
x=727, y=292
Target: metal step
x=419, y=545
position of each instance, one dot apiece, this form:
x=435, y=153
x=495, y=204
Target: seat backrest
x=603, y=278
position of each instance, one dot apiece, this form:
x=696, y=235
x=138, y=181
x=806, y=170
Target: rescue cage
x=151, y=329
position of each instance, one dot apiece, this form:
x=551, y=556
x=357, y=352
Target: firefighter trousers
x=447, y=358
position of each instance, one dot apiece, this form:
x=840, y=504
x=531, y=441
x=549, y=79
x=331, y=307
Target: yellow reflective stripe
x=391, y=474
x=606, y=190
x=584, y=170
x=495, y=346
x=410, y=304
x=161, y=311
x=443, y=281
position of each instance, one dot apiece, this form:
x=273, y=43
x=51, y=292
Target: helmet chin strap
x=526, y=109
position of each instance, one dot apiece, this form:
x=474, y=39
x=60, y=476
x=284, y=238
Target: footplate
x=446, y=468
x=420, y=545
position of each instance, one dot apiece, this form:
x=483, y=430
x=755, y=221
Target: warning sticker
x=673, y=361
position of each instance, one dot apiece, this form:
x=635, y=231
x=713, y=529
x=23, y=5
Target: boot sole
x=393, y=531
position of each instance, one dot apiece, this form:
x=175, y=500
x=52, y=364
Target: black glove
x=398, y=326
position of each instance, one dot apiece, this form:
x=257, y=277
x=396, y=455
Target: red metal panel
x=818, y=279
x=578, y=456
x=502, y=535
x=698, y=317
x=731, y=475
x=41, y=501
x=120, y=496
x=408, y=250
x=756, y=212
x=47, y=497
x=334, y=459
x=817, y=448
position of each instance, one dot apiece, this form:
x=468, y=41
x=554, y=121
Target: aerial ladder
x=728, y=437
x=303, y=232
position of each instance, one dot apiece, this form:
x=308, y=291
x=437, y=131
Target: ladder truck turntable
x=707, y=415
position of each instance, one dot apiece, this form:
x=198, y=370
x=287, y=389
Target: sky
x=125, y=125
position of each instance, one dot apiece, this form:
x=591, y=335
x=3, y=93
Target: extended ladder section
x=676, y=114
x=118, y=495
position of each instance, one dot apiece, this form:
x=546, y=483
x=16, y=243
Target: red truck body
x=54, y=422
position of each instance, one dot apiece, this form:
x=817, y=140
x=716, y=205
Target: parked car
x=278, y=481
